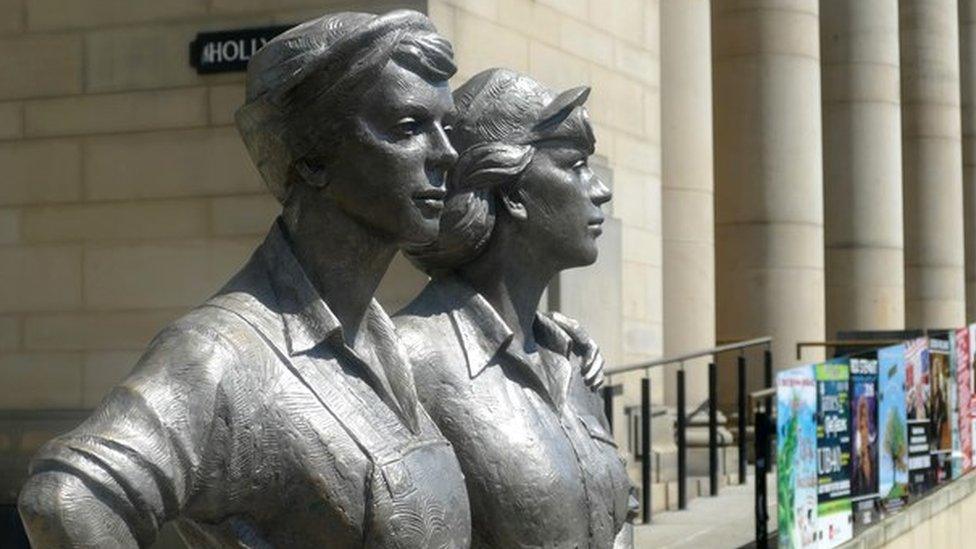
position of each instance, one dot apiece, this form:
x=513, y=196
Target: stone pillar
x=967, y=43
x=862, y=165
x=687, y=197
x=935, y=275
x=769, y=244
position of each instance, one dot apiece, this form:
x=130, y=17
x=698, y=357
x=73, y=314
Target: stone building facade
x=780, y=167
x=127, y=196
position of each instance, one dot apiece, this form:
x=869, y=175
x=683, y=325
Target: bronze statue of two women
x=289, y=410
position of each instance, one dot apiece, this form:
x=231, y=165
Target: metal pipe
x=768, y=374
x=742, y=420
x=682, y=444
x=762, y=466
x=800, y=345
x=712, y=432
x=646, y=449
x=696, y=354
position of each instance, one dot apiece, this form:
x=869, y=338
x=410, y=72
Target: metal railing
x=760, y=402
x=681, y=422
x=853, y=343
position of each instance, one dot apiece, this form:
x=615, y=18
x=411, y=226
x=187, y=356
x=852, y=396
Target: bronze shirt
x=541, y=467
x=251, y=421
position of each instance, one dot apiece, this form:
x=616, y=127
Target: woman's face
x=390, y=175
x=562, y=197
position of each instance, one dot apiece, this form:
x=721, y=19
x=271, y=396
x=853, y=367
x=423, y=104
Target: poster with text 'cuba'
x=892, y=429
x=917, y=401
x=864, y=441
x=796, y=460
x=835, y=523
x=962, y=450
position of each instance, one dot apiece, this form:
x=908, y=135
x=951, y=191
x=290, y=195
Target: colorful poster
x=834, y=521
x=940, y=409
x=962, y=450
x=919, y=426
x=972, y=393
x=972, y=358
x=864, y=444
x=892, y=429
x=796, y=461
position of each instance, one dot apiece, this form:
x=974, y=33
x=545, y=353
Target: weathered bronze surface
x=283, y=411
x=504, y=383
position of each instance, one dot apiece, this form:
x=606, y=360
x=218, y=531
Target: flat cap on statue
x=506, y=106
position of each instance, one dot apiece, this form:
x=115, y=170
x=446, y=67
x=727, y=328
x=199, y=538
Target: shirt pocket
x=596, y=429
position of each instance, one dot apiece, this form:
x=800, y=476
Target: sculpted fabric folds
x=283, y=411
x=286, y=411
x=238, y=425
x=541, y=466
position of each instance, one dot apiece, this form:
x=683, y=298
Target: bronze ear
x=312, y=173
x=515, y=208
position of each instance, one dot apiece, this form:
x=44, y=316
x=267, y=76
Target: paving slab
x=725, y=521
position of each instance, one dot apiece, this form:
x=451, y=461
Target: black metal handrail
x=834, y=343
x=681, y=420
x=764, y=420
x=711, y=351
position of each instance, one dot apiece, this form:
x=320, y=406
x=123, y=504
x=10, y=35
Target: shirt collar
x=550, y=335
x=308, y=322
x=307, y=318
x=483, y=332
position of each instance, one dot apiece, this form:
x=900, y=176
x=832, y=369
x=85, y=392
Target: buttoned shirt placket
x=495, y=337
x=309, y=323
x=557, y=397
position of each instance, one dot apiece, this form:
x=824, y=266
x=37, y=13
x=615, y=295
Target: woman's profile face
x=562, y=197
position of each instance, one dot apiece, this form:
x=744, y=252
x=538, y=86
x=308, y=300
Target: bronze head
x=523, y=158
x=351, y=106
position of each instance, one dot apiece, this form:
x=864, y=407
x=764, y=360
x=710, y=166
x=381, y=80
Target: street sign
x=230, y=50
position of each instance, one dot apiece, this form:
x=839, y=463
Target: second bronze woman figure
x=504, y=383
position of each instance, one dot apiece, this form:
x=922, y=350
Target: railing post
x=608, y=404
x=762, y=466
x=682, y=444
x=768, y=374
x=712, y=432
x=646, y=449
x=742, y=420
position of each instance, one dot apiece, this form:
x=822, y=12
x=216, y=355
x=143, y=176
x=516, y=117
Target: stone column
x=862, y=165
x=687, y=198
x=967, y=43
x=935, y=276
x=769, y=243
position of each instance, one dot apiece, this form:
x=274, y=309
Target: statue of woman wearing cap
x=504, y=383
x=283, y=412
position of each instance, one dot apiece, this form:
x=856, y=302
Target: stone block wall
x=127, y=197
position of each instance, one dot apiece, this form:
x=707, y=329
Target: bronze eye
x=580, y=164
x=408, y=127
